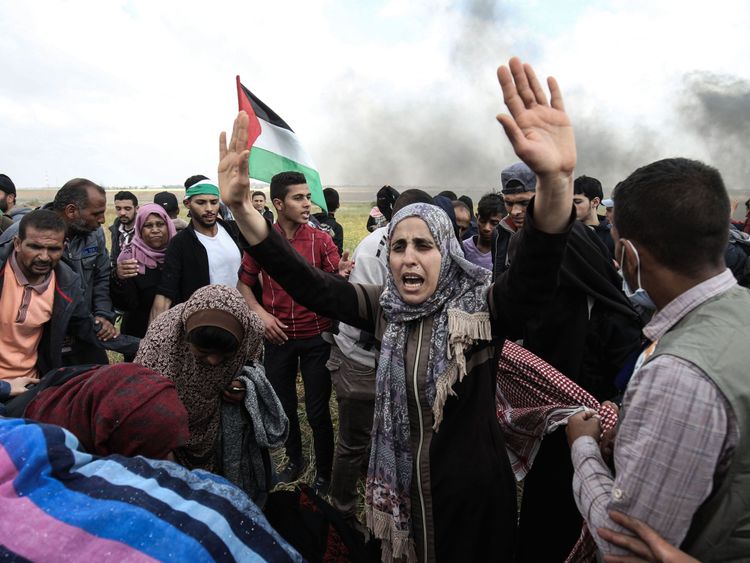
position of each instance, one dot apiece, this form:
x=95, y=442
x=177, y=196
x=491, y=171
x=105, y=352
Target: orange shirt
x=23, y=313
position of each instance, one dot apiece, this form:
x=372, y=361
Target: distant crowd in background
x=592, y=347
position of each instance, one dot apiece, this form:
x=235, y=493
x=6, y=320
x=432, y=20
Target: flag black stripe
x=263, y=111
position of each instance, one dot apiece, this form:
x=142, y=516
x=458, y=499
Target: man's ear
x=186, y=203
x=12, y=201
x=277, y=204
x=595, y=203
x=16, y=243
x=70, y=211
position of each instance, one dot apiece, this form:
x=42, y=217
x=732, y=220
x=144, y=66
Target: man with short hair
x=587, y=196
x=518, y=189
x=81, y=204
x=327, y=220
x=169, y=202
x=40, y=299
x=259, y=202
x=478, y=249
x=205, y=253
x=682, y=449
x=122, y=229
x=293, y=333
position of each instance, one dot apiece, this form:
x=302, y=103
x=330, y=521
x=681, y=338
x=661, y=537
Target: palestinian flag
x=274, y=147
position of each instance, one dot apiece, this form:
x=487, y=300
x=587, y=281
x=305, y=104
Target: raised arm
x=234, y=182
x=325, y=293
x=542, y=136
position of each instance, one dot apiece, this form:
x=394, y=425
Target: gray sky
x=132, y=93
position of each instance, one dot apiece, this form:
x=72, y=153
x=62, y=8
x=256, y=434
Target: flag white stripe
x=282, y=142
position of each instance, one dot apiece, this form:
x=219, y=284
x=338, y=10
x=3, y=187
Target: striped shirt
x=674, y=442
x=318, y=249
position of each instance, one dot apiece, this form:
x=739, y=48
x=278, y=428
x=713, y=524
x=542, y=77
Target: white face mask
x=640, y=296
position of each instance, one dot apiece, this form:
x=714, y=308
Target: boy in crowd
x=489, y=214
x=293, y=333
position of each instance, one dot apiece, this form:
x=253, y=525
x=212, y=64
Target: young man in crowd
x=206, y=252
x=682, y=449
x=169, y=202
x=81, y=204
x=328, y=221
x=518, y=188
x=122, y=229
x=293, y=333
x=40, y=299
x=478, y=249
x=259, y=202
x=587, y=197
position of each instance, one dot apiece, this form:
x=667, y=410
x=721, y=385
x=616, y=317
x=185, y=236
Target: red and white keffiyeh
x=533, y=399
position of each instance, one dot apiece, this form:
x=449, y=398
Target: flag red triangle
x=253, y=127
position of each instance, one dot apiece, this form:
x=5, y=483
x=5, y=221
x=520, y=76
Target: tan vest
x=716, y=337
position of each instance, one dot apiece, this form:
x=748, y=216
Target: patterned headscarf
x=137, y=248
x=461, y=317
x=165, y=350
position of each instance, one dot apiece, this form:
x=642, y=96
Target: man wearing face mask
x=682, y=451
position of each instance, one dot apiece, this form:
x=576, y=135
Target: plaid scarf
x=533, y=399
x=459, y=309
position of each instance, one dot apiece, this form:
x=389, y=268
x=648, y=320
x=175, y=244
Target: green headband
x=204, y=187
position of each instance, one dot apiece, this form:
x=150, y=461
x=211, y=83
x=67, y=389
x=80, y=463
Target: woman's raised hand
x=234, y=181
x=539, y=130
x=542, y=136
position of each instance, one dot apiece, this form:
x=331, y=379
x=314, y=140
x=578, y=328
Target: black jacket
x=135, y=296
x=186, y=263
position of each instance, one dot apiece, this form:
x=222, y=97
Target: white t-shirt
x=223, y=257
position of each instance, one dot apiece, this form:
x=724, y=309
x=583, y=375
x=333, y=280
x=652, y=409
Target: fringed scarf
x=461, y=317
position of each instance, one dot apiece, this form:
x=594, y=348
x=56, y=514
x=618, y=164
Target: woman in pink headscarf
x=136, y=277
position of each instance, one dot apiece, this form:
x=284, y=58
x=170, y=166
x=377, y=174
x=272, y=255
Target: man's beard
x=79, y=228
x=4, y=204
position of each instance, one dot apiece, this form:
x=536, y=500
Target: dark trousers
x=310, y=356
x=550, y=523
x=355, y=395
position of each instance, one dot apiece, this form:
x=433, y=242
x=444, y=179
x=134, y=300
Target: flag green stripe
x=264, y=165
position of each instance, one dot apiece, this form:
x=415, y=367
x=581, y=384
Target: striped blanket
x=59, y=503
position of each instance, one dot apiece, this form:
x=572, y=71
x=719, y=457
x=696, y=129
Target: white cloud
x=135, y=92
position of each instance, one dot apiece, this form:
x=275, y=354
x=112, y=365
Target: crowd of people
x=588, y=347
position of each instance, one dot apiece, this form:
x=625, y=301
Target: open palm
x=538, y=129
x=234, y=181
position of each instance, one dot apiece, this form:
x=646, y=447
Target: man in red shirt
x=293, y=333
